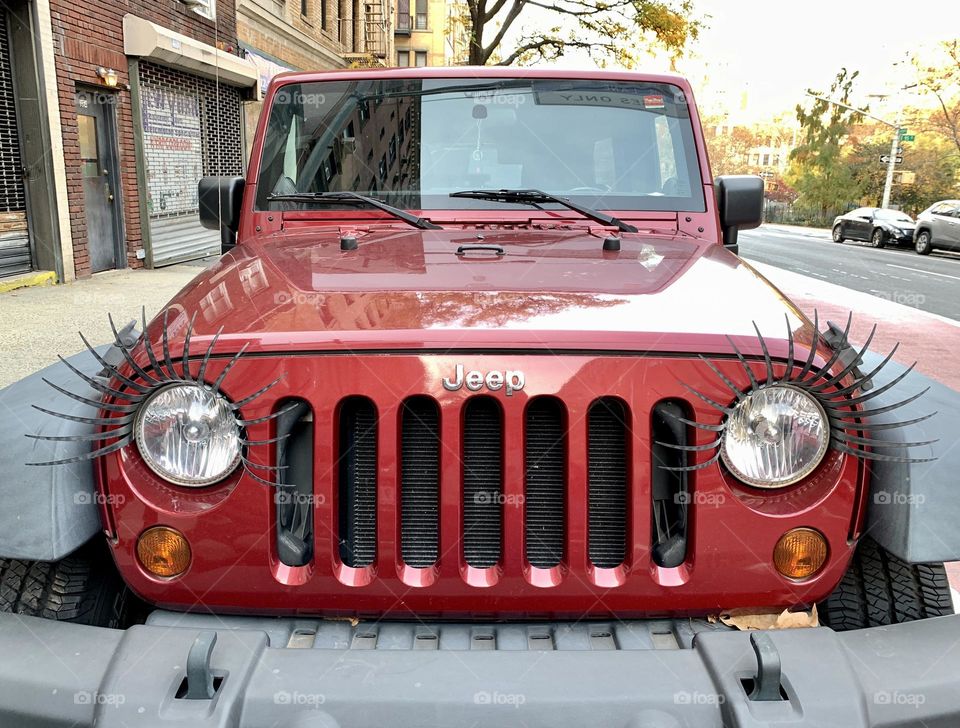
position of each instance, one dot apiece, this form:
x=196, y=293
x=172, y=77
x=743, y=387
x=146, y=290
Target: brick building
x=133, y=103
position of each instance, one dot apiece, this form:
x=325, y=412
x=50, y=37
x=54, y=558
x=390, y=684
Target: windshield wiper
x=537, y=197
x=354, y=198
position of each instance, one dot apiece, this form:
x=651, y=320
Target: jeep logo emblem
x=510, y=381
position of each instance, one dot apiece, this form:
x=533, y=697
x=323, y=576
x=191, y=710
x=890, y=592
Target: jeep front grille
x=479, y=455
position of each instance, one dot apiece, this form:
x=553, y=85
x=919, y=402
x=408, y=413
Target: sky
x=775, y=50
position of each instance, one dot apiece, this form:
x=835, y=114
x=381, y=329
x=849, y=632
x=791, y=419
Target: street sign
x=885, y=159
x=908, y=137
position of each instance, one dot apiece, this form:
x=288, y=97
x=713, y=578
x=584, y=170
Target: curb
x=28, y=280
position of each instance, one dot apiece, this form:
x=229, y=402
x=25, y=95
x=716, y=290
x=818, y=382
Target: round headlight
x=188, y=435
x=775, y=436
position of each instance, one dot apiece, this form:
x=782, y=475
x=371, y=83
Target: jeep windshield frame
x=601, y=143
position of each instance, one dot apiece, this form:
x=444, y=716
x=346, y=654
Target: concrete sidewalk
x=811, y=232
x=38, y=323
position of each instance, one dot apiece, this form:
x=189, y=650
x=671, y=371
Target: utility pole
x=892, y=163
x=894, y=145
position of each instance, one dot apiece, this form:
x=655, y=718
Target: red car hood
x=297, y=290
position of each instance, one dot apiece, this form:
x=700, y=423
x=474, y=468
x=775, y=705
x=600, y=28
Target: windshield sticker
x=593, y=98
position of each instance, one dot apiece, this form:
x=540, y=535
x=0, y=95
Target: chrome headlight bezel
x=801, y=470
x=224, y=410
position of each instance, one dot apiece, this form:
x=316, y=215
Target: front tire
x=838, y=233
x=83, y=587
x=923, y=244
x=880, y=589
x=876, y=240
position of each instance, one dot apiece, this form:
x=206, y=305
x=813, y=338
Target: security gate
x=191, y=128
x=15, y=254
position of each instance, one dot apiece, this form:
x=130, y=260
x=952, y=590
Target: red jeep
x=479, y=420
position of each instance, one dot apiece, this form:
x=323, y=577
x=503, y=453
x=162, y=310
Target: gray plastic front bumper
x=55, y=674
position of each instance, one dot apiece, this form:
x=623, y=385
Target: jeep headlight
x=775, y=436
x=188, y=435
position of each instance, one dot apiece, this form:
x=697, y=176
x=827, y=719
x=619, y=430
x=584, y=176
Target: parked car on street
x=479, y=420
x=938, y=227
x=875, y=225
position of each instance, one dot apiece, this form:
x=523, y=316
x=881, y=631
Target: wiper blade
x=354, y=198
x=537, y=197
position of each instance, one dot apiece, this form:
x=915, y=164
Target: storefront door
x=98, y=164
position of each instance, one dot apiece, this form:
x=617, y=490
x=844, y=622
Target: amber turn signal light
x=163, y=551
x=800, y=553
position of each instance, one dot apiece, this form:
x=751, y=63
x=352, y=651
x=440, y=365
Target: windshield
x=882, y=214
x=411, y=142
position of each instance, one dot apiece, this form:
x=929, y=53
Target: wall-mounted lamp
x=108, y=76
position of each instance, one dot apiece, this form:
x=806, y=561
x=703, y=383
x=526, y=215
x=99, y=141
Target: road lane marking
x=926, y=272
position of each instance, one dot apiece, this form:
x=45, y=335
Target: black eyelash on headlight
x=133, y=390
x=848, y=433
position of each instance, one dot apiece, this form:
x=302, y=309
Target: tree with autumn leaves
x=612, y=31
x=837, y=164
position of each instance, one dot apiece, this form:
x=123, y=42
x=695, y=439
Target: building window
x=403, y=59
x=206, y=8
x=421, y=58
x=403, y=15
x=323, y=14
x=421, y=15
x=304, y=8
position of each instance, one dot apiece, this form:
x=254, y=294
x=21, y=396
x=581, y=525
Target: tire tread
x=83, y=587
x=880, y=589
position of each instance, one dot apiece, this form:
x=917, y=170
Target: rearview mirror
x=740, y=204
x=220, y=200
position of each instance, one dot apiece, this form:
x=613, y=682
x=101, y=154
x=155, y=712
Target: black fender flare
x=48, y=511
x=913, y=507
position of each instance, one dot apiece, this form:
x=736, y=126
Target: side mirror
x=220, y=200
x=740, y=204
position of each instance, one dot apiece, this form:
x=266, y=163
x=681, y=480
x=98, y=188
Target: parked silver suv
x=938, y=227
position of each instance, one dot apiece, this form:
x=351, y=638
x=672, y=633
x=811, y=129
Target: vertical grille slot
x=419, y=482
x=607, y=482
x=293, y=496
x=669, y=488
x=545, y=446
x=482, y=482
x=357, y=460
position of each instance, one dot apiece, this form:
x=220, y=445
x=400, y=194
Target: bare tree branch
x=492, y=12
x=540, y=45
x=512, y=15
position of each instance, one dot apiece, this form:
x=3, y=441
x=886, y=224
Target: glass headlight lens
x=188, y=435
x=775, y=437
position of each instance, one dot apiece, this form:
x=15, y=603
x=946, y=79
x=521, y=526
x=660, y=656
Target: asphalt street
x=928, y=283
